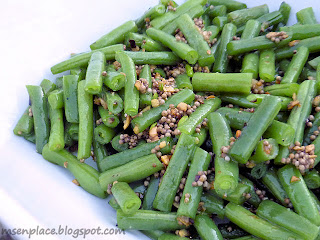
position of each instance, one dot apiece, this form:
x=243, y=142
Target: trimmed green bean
x=312, y=179
x=70, y=98
x=220, y=22
x=206, y=228
x=154, y=58
x=283, y=89
x=195, y=40
x=94, y=73
x=212, y=205
x=251, y=29
x=280, y=215
x=73, y=131
x=117, y=35
x=148, y=220
x=222, y=82
x=262, y=153
x=285, y=10
x=272, y=182
x=24, y=125
x=103, y=134
x=267, y=69
x=47, y=86
x=127, y=199
x=240, y=17
x=300, y=32
x=254, y=198
x=191, y=195
x=255, y=225
x=182, y=49
x=171, y=179
x=152, y=46
x=109, y=119
x=129, y=155
x=56, y=138
x=200, y=136
x=306, y=16
x=150, y=193
x=55, y=99
x=142, y=122
x=296, y=65
x=151, y=13
x=256, y=126
x=238, y=196
x=227, y=172
x=85, y=103
x=80, y=72
x=114, y=102
x=250, y=64
x=299, y=194
x=87, y=176
x=81, y=60
x=221, y=56
x=239, y=100
x=199, y=114
x=230, y=4
x=145, y=98
x=39, y=109
x=257, y=98
x=100, y=152
x=131, y=95
x=314, y=63
x=132, y=171
x=114, y=80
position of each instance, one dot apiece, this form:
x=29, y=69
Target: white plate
x=35, y=35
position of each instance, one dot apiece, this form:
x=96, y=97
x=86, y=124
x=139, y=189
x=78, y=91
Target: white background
x=35, y=35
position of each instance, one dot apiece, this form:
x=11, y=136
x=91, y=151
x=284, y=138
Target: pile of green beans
x=202, y=120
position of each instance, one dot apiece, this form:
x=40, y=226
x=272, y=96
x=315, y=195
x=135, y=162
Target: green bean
x=117, y=35
x=240, y=17
x=58, y=82
x=152, y=46
x=114, y=80
x=134, y=39
x=300, y=32
x=55, y=99
x=109, y=119
x=256, y=126
x=206, y=228
x=299, y=194
x=281, y=132
x=103, y=134
x=259, y=170
x=87, y=176
x=114, y=102
x=182, y=49
x=251, y=30
x=195, y=40
x=99, y=151
x=73, y=131
x=128, y=201
x=151, y=13
x=214, y=32
x=170, y=236
x=56, y=138
x=31, y=137
x=222, y=82
x=94, y=73
x=311, y=43
x=316, y=200
x=298, y=115
x=262, y=154
x=220, y=22
x=150, y=193
x=80, y=72
x=131, y=96
x=132, y=171
x=306, y=16
x=283, y=89
x=81, y=60
x=39, y=109
x=148, y=220
x=189, y=71
x=195, y=12
x=280, y=215
x=239, y=100
x=199, y=114
x=255, y=225
x=200, y=136
x=257, y=98
x=168, y=17
x=283, y=65
x=250, y=64
x=312, y=179
x=145, y=98
x=70, y=98
x=142, y=122
x=183, y=81
x=308, y=73
x=221, y=61
x=310, y=131
x=68, y=141
x=285, y=10
x=258, y=43
x=254, y=198
x=230, y=4
x=227, y=172
x=47, y=86
x=272, y=182
x=266, y=20
x=114, y=204
x=129, y=155
x=296, y=65
x=191, y=195
x=217, y=11
x=25, y=124
x=314, y=62
x=267, y=65
x=85, y=103
x=238, y=196
x=171, y=179
x=212, y=205
x=153, y=234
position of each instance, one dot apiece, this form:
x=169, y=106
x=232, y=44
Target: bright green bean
x=25, y=124
x=94, y=73
x=267, y=65
x=56, y=138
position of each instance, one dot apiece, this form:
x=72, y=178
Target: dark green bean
x=39, y=109
x=212, y=205
x=73, y=131
x=109, y=119
x=254, y=198
x=312, y=179
x=150, y=193
x=239, y=100
x=206, y=228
